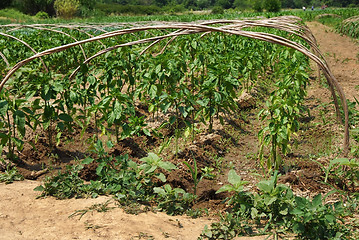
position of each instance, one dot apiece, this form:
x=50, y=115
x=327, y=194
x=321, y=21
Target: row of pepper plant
x=195, y=80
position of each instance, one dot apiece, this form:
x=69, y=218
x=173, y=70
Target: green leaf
x=151, y=108
x=153, y=91
x=254, y=213
x=296, y=211
x=158, y=68
x=146, y=132
x=317, y=200
x=284, y=212
x=73, y=96
x=20, y=122
x=161, y=177
x=152, y=169
x=270, y=200
x=301, y=202
x=99, y=168
x=111, y=118
x=340, y=161
x=233, y=178
x=225, y=188
x=207, y=232
x=172, y=119
x=117, y=109
x=87, y=160
x=168, y=188
x=160, y=191
x=167, y=165
x=330, y=218
x=91, y=80
x=3, y=107
x=109, y=144
x=179, y=190
x=151, y=158
x=202, y=103
x=265, y=186
x=39, y=188
x=65, y=117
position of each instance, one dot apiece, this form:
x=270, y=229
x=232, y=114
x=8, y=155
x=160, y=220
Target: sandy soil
x=22, y=216
x=342, y=55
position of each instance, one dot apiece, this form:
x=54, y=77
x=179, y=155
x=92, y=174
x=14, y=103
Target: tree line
x=68, y=8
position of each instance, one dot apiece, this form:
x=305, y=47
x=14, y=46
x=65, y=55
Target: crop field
x=240, y=120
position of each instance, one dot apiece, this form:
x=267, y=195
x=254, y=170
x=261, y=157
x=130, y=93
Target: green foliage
x=66, y=8
x=98, y=207
x=315, y=220
x=14, y=14
x=280, y=211
x=208, y=173
x=272, y=5
x=152, y=162
x=217, y=10
x=175, y=201
x=128, y=9
x=274, y=203
x=258, y=6
x=34, y=6
x=90, y=4
x=240, y=201
x=283, y=110
x=42, y=15
x=236, y=184
x=10, y=175
x=229, y=226
x=195, y=174
x=352, y=112
x=242, y=4
x=225, y=4
x=13, y=124
x=343, y=172
x=65, y=185
x=125, y=179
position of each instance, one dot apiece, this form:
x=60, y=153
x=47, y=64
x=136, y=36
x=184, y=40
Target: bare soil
x=23, y=216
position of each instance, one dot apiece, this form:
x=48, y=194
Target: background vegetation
x=85, y=8
x=164, y=85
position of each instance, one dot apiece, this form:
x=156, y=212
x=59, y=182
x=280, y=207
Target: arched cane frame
x=289, y=24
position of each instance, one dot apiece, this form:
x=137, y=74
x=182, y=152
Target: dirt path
x=22, y=216
x=342, y=55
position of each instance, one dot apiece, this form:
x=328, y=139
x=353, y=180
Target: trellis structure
x=172, y=31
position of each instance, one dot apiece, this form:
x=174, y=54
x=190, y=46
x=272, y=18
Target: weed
x=64, y=185
x=10, y=175
x=165, y=234
x=343, y=172
x=143, y=235
x=133, y=207
x=128, y=181
x=174, y=201
x=229, y=226
x=218, y=163
x=353, y=113
x=208, y=173
x=91, y=226
x=195, y=213
x=277, y=209
x=98, y=207
x=195, y=175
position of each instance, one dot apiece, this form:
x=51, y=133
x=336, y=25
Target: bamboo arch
x=289, y=24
